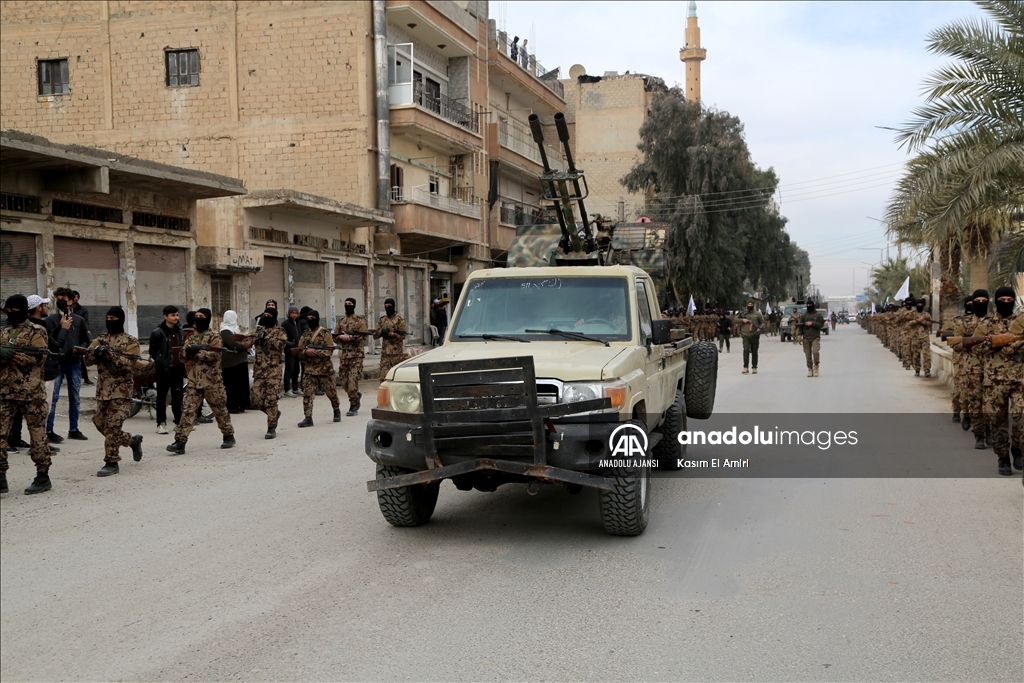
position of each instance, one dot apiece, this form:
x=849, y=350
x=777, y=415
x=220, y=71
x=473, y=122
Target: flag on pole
x=691, y=308
x=873, y=311
x=768, y=309
x=904, y=290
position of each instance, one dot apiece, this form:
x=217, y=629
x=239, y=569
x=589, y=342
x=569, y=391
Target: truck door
x=654, y=370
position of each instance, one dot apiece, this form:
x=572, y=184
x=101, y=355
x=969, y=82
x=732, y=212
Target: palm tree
x=962, y=189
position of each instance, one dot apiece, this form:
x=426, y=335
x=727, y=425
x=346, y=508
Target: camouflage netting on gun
x=534, y=245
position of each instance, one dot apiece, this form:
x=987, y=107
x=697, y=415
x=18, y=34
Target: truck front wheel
x=406, y=505
x=669, y=451
x=626, y=509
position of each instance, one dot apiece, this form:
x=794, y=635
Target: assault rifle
x=998, y=340
x=103, y=350
x=368, y=333
x=297, y=350
x=944, y=333
x=8, y=351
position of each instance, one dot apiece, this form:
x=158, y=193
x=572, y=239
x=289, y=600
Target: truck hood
x=568, y=361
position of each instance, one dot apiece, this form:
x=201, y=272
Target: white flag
x=873, y=311
x=904, y=290
x=768, y=309
x=691, y=308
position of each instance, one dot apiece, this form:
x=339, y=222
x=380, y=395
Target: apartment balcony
x=517, y=138
x=514, y=69
x=428, y=221
x=419, y=109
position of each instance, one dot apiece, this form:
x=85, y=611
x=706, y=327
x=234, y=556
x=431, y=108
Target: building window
x=220, y=294
x=182, y=68
x=53, y=77
x=435, y=185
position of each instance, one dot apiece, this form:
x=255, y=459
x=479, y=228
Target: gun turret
x=578, y=246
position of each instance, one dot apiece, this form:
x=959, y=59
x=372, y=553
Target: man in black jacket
x=81, y=310
x=67, y=330
x=292, y=327
x=170, y=376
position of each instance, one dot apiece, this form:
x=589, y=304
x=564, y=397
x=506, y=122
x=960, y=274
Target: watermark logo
x=628, y=446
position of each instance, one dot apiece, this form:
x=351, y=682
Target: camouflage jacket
x=920, y=325
x=270, y=342
x=321, y=364
x=1000, y=367
x=115, y=373
x=354, y=348
x=965, y=328
x=391, y=345
x=205, y=370
x=24, y=382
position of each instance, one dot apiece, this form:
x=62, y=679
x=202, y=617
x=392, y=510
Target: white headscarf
x=230, y=322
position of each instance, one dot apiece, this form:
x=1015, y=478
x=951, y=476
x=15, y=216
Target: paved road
x=271, y=561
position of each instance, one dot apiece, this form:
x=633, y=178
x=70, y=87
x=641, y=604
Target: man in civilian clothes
x=170, y=374
x=70, y=365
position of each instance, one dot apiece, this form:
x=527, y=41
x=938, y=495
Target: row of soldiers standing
x=906, y=331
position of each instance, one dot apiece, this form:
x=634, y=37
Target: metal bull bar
x=486, y=408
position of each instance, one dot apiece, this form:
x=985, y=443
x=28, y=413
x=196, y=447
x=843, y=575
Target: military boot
x=810, y=372
x=3, y=483
x=917, y=373
x=137, y=447
x=271, y=433
x=815, y=370
x=988, y=436
x=177, y=448
x=956, y=417
x=927, y=373
x=1004, y=466
x=1018, y=462
x=40, y=484
x=108, y=469
x=979, y=442
x=337, y=414
x=352, y=410
x=229, y=441
x=308, y=422
x=965, y=423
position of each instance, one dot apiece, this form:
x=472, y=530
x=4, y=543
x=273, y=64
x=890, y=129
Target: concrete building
x=121, y=231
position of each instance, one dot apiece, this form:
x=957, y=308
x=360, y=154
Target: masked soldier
x=973, y=369
x=752, y=324
x=270, y=341
x=812, y=323
x=350, y=333
x=318, y=370
x=920, y=345
x=205, y=381
x=391, y=331
x=114, y=389
x=22, y=389
x=1002, y=373
x=958, y=365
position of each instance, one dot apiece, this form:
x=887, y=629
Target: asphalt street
x=271, y=561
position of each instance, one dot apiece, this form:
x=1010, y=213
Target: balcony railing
x=434, y=102
x=421, y=194
x=528, y=63
x=516, y=137
x=518, y=213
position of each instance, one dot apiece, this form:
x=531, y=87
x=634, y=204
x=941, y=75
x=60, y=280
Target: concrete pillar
x=128, y=276
x=47, y=278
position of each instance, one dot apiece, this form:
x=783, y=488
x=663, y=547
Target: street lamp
x=885, y=223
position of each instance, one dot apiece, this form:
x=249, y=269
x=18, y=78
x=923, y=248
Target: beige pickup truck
x=548, y=375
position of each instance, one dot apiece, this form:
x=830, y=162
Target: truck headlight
x=584, y=391
x=405, y=397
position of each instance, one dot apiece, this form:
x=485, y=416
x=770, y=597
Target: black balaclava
x=350, y=306
x=314, y=319
x=810, y=306
x=18, y=313
x=920, y=305
x=1005, y=308
x=269, y=318
x=115, y=326
x=980, y=309
x=968, y=305
x=909, y=302
x=304, y=311
x=62, y=305
x=203, y=324
x=271, y=301
x=750, y=306
x=389, y=307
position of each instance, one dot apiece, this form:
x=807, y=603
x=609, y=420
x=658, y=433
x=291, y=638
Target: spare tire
x=701, y=380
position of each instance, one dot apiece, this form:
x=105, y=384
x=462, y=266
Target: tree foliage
x=887, y=279
x=723, y=237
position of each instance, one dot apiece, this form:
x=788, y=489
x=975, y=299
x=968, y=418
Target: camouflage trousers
x=265, y=394
x=996, y=410
x=971, y=397
x=193, y=403
x=350, y=371
x=34, y=413
x=388, y=361
x=109, y=417
x=309, y=385
x=921, y=354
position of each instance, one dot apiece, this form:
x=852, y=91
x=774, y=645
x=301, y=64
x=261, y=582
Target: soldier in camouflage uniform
x=1003, y=376
x=350, y=332
x=920, y=328
x=318, y=370
x=270, y=342
x=974, y=376
x=205, y=381
x=796, y=331
x=958, y=365
x=114, y=389
x=22, y=389
x=391, y=331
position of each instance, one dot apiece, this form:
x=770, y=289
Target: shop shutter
x=349, y=282
x=159, y=281
x=92, y=268
x=18, y=272
x=269, y=283
x=309, y=287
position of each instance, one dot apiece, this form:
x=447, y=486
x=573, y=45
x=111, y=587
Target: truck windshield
x=597, y=307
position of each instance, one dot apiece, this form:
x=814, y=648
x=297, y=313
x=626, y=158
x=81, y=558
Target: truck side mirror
x=661, y=332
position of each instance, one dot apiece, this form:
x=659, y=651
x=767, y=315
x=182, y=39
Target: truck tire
x=701, y=380
x=669, y=450
x=407, y=505
x=626, y=509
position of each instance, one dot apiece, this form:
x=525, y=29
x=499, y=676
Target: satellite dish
x=576, y=70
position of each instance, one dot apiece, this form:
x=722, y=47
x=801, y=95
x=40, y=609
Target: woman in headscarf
x=234, y=364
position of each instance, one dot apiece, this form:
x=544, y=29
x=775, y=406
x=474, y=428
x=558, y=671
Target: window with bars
x=153, y=220
x=19, y=202
x=220, y=294
x=53, y=77
x=89, y=212
x=182, y=68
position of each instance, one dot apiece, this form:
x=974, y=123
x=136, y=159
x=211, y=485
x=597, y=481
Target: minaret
x=693, y=54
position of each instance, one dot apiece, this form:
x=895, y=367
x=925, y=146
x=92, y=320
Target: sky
x=813, y=83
